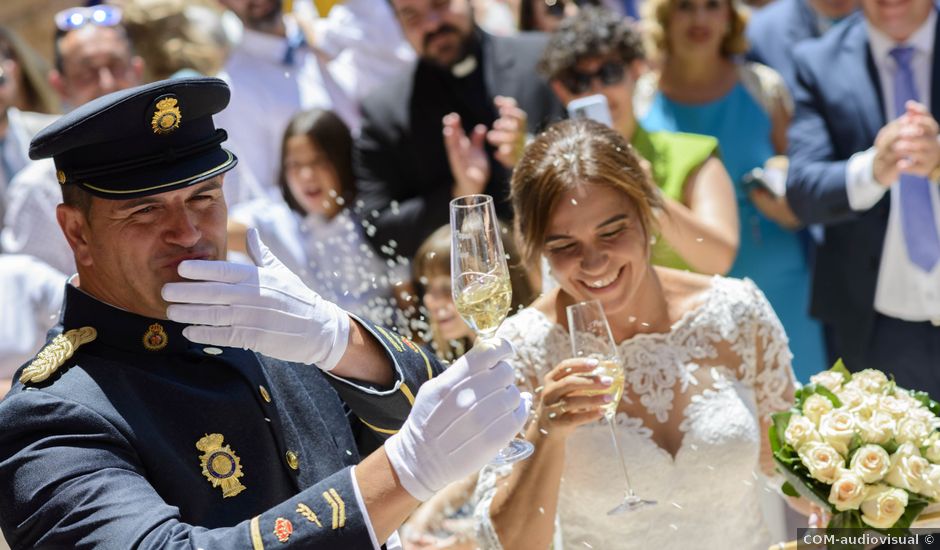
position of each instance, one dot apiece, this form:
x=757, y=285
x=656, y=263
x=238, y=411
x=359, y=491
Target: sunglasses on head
x=609, y=73
x=100, y=16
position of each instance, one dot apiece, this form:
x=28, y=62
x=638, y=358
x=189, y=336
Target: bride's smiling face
x=597, y=247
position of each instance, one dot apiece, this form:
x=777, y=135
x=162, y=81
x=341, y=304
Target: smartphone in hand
x=593, y=107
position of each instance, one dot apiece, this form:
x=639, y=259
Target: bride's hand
x=563, y=405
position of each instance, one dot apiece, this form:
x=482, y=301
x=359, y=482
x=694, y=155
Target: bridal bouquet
x=862, y=447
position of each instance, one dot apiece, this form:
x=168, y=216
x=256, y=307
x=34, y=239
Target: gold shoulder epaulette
x=56, y=353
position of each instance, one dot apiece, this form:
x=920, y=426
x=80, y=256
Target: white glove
x=459, y=422
x=264, y=307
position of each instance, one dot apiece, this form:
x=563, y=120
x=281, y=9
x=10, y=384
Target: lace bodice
x=721, y=367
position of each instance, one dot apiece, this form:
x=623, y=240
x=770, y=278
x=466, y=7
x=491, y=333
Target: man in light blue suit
x=777, y=28
x=864, y=162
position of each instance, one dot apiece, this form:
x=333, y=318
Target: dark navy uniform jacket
x=143, y=439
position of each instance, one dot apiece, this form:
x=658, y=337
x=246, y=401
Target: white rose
x=931, y=488
x=830, y=380
x=870, y=380
x=871, y=463
x=800, y=430
x=898, y=408
x=837, y=428
x=823, y=462
x=932, y=448
x=912, y=430
x=907, y=468
x=847, y=492
x=878, y=428
x=883, y=506
x=853, y=398
x=815, y=406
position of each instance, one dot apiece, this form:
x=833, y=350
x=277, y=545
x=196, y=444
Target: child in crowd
x=314, y=230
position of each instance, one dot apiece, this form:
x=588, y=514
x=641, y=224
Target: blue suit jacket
x=839, y=111
x=774, y=30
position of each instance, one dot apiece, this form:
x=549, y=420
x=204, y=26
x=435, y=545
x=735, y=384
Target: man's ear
x=74, y=226
x=57, y=82
x=561, y=92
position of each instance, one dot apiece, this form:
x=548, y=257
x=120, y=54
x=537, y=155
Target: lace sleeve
x=769, y=369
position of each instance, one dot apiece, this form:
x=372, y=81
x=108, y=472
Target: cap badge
x=56, y=354
x=166, y=117
x=155, y=338
x=220, y=465
x=60, y=175
x=283, y=529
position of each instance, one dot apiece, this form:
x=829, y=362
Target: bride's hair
x=568, y=154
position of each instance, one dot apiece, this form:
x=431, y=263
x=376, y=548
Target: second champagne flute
x=591, y=339
x=480, y=281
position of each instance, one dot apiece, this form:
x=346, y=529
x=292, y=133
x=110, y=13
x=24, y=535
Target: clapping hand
x=468, y=161
x=508, y=133
x=907, y=144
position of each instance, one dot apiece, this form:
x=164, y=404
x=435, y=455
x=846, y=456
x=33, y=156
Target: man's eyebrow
x=207, y=186
x=134, y=203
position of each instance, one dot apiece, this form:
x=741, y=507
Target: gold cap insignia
x=60, y=175
x=220, y=465
x=282, y=529
x=56, y=353
x=167, y=116
x=155, y=338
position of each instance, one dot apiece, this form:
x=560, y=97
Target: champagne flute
x=591, y=338
x=480, y=281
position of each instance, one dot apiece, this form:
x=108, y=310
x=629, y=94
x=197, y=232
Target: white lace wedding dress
x=727, y=364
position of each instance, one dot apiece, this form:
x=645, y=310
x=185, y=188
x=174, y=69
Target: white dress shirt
x=31, y=294
x=365, y=44
x=266, y=93
x=21, y=127
x=904, y=291
x=30, y=225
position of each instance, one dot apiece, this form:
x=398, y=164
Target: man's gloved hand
x=459, y=422
x=265, y=308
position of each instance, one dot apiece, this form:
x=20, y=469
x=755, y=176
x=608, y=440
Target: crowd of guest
x=793, y=146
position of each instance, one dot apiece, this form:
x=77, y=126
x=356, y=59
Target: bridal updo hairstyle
x=568, y=154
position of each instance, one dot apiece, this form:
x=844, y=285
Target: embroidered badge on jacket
x=56, y=354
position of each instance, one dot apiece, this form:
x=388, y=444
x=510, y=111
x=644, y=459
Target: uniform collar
x=118, y=328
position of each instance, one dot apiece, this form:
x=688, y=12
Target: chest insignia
x=56, y=353
x=220, y=465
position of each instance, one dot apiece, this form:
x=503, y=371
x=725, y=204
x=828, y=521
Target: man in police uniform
x=126, y=433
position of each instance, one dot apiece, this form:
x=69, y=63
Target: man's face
x=126, y=250
x=438, y=30
x=897, y=18
x=608, y=76
x=95, y=61
x=255, y=14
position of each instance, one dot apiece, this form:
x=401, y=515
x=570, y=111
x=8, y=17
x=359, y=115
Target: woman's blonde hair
x=566, y=155
x=433, y=259
x=656, y=15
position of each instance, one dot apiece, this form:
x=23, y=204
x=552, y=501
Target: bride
x=706, y=362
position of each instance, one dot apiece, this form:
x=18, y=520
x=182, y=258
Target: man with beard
x=273, y=75
x=149, y=425
x=480, y=91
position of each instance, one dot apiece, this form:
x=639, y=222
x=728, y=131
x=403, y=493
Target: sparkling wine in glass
x=591, y=339
x=480, y=281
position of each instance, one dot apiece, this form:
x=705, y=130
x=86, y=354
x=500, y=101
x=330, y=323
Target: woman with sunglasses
x=597, y=52
x=701, y=87
x=546, y=15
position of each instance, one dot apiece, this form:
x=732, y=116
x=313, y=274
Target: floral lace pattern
x=721, y=368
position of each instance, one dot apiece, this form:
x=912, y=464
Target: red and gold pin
x=155, y=338
x=283, y=529
x=410, y=344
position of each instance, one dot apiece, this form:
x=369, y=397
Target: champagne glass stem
x=623, y=465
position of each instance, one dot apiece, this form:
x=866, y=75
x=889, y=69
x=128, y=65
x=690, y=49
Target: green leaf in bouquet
x=926, y=401
x=891, y=446
x=825, y=392
x=797, y=476
x=778, y=427
x=854, y=444
x=789, y=490
x=839, y=367
x=806, y=391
